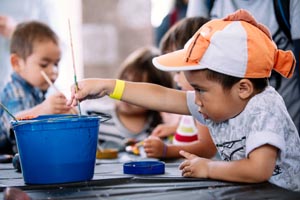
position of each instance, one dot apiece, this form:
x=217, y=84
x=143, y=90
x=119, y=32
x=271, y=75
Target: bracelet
x=165, y=150
x=118, y=90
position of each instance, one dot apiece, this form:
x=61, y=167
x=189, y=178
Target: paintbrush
x=74, y=68
x=6, y=110
x=49, y=81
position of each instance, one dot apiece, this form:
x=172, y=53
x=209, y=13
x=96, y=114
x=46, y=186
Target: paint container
x=107, y=154
x=57, y=148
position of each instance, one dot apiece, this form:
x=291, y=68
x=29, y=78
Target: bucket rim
x=59, y=118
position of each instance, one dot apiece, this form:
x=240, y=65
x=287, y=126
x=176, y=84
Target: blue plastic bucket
x=57, y=148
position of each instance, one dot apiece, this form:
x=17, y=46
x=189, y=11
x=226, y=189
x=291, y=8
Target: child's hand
x=90, y=89
x=194, y=166
x=73, y=111
x=154, y=147
x=7, y=26
x=164, y=130
x=55, y=104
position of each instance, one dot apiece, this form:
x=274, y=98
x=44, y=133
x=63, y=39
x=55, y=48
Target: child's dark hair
x=138, y=67
x=26, y=34
x=176, y=37
x=227, y=81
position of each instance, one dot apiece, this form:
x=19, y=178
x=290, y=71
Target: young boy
x=227, y=62
x=34, y=48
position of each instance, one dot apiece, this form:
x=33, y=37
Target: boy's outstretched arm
x=258, y=167
x=151, y=96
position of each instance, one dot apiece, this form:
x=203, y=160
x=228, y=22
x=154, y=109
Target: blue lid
x=144, y=167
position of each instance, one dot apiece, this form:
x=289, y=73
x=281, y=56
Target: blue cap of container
x=144, y=167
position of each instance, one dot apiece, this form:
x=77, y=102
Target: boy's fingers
x=69, y=102
x=72, y=102
x=184, y=164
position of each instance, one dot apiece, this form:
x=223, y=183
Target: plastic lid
x=144, y=167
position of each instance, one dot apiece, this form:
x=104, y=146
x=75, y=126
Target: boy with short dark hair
x=34, y=48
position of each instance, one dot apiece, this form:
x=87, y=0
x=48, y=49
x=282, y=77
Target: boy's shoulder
x=18, y=92
x=268, y=100
x=267, y=107
x=15, y=87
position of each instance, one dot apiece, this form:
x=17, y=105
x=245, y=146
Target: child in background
x=189, y=135
x=228, y=62
x=130, y=122
x=34, y=47
x=174, y=39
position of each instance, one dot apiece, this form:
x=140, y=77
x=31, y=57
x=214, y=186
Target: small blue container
x=57, y=148
x=144, y=167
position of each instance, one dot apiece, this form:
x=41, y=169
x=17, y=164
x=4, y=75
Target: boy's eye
x=199, y=90
x=44, y=65
x=56, y=64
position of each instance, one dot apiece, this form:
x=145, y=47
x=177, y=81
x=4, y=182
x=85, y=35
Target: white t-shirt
x=264, y=120
x=113, y=134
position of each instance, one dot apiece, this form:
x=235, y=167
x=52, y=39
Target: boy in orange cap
x=228, y=62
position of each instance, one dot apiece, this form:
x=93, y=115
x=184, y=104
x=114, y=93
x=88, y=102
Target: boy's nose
x=54, y=69
x=198, y=102
x=53, y=73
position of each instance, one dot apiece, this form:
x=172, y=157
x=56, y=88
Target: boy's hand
x=154, y=147
x=55, y=104
x=73, y=111
x=90, y=89
x=194, y=166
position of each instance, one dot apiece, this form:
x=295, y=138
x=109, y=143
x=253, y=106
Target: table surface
x=109, y=182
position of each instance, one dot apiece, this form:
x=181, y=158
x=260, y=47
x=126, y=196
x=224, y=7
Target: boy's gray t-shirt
x=264, y=120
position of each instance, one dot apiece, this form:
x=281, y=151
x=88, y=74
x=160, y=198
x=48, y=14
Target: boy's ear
x=245, y=88
x=15, y=62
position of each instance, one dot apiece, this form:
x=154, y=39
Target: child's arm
x=203, y=147
x=147, y=95
x=258, y=167
x=154, y=148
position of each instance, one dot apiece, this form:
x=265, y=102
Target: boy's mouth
x=205, y=116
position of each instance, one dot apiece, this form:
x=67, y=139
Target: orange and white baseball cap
x=236, y=45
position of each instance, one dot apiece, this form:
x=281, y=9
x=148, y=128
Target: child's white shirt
x=264, y=120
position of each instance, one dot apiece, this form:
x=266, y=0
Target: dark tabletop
x=109, y=182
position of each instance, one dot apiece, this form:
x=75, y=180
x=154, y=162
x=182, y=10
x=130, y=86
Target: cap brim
x=175, y=61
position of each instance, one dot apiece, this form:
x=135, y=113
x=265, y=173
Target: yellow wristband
x=118, y=90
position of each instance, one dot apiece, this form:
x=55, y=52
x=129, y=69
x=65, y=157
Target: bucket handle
x=104, y=116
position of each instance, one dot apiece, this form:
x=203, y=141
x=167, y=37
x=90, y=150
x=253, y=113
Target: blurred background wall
x=111, y=29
